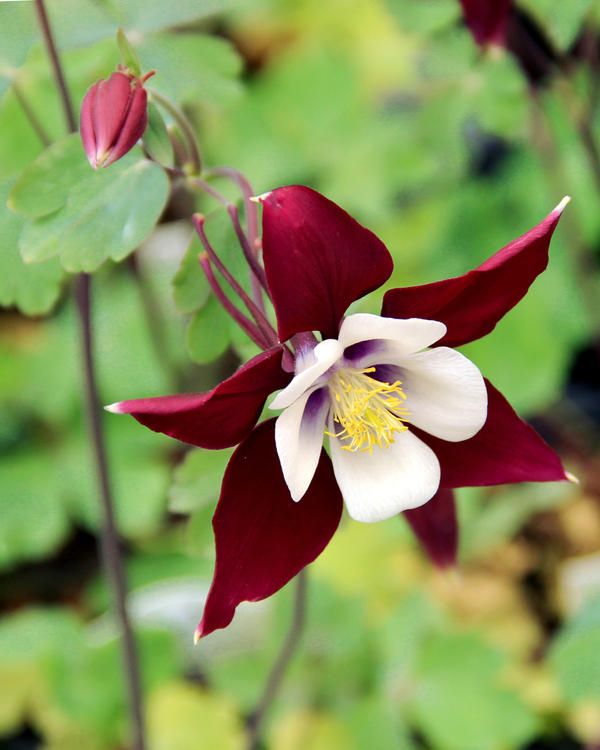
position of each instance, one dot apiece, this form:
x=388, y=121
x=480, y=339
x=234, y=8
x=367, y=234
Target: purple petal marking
x=363, y=349
x=387, y=373
x=317, y=404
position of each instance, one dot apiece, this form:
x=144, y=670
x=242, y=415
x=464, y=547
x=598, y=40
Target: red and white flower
x=406, y=416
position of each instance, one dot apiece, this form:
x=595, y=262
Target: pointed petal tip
x=260, y=198
x=115, y=408
x=572, y=478
x=197, y=635
x=562, y=205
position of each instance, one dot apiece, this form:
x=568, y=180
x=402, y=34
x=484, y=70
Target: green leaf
x=460, y=704
x=575, y=655
x=209, y=333
x=129, y=57
x=156, y=138
x=180, y=713
x=79, y=23
x=44, y=186
x=424, y=18
x=33, y=521
x=15, y=39
x=83, y=216
x=197, y=480
x=204, y=69
x=32, y=288
x=31, y=634
x=190, y=287
x=561, y=21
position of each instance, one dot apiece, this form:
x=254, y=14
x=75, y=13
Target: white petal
x=378, y=485
x=299, y=438
x=325, y=354
x=409, y=334
x=445, y=393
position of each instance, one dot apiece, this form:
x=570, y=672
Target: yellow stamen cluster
x=368, y=411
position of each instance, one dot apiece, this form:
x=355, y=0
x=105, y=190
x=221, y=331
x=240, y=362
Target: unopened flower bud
x=113, y=117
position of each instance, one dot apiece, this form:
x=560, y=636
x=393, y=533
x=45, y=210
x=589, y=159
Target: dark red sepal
x=472, y=304
x=219, y=418
x=263, y=538
x=434, y=524
x=487, y=20
x=505, y=451
x=318, y=260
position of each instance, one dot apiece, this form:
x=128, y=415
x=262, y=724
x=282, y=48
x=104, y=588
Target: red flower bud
x=487, y=20
x=113, y=118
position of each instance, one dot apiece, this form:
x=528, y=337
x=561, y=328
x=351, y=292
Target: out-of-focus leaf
x=460, y=703
x=197, y=480
x=190, y=287
x=561, y=21
x=32, y=288
x=88, y=685
x=203, y=70
x=15, y=39
x=33, y=521
x=31, y=634
x=575, y=655
x=505, y=513
x=179, y=715
x=424, y=18
x=307, y=730
x=79, y=23
x=208, y=332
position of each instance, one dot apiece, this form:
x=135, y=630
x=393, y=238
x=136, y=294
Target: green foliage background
x=385, y=107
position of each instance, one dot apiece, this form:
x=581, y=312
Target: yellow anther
x=369, y=412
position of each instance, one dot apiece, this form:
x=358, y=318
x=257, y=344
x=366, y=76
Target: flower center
x=368, y=411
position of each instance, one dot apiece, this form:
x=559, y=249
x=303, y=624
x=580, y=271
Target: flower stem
x=279, y=668
x=261, y=321
x=57, y=69
x=111, y=553
x=186, y=128
x=245, y=323
x=252, y=241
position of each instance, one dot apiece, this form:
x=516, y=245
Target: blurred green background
x=446, y=152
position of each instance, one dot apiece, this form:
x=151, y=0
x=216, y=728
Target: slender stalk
x=251, y=258
x=245, y=323
x=281, y=664
x=186, y=128
x=111, y=552
x=57, y=69
x=110, y=549
x=199, y=183
x=261, y=321
x=31, y=116
x=252, y=241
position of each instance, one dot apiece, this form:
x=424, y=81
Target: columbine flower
x=487, y=20
x=407, y=417
x=113, y=117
